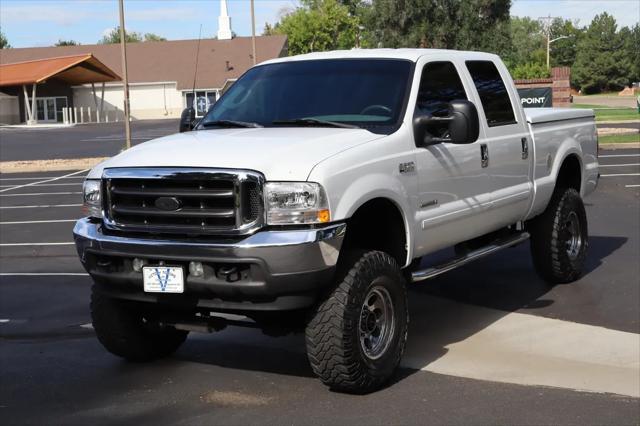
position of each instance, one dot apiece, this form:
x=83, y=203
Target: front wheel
x=357, y=335
x=559, y=238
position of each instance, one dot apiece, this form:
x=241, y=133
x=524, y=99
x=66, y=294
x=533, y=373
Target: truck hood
x=278, y=153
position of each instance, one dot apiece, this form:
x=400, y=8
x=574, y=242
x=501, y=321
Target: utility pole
x=546, y=24
x=127, y=106
x=253, y=32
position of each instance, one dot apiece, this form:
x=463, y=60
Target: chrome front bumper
x=283, y=269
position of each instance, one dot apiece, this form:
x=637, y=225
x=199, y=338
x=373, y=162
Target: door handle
x=525, y=148
x=484, y=155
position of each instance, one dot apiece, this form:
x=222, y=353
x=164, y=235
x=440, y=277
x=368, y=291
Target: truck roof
x=406, y=54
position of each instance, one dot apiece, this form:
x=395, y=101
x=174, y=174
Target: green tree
x=317, y=26
x=153, y=37
x=631, y=42
x=66, y=43
x=527, y=43
x=471, y=24
x=131, y=37
x=564, y=51
x=601, y=62
x=4, y=43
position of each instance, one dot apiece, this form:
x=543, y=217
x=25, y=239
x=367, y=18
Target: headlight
x=92, y=197
x=290, y=203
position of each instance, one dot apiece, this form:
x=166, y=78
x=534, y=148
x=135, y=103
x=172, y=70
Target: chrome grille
x=187, y=201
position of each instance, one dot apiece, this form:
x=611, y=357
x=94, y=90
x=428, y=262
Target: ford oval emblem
x=169, y=204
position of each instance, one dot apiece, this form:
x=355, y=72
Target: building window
x=201, y=102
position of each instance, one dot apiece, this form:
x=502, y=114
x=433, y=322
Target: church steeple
x=224, y=22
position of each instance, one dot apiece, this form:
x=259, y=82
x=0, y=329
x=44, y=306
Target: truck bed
x=545, y=115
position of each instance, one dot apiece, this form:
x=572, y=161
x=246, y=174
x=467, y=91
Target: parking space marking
x=40, y=193
x=619, y=165
x=35, y=244
x=632, y=186
x=47, y=184
x=621, y=174
x=44, y=181
x=618, y=155
x=29, y=222
x=43, y=177
x=43, y=274
x=46, y=206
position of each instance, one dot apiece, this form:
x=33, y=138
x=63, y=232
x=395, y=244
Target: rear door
x=506, y=139
x=454, y=193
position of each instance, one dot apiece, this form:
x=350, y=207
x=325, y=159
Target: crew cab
x=306, y=197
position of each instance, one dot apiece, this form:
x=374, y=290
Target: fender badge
x=407, y=167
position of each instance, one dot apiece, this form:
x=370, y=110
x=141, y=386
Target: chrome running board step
x=495, y=246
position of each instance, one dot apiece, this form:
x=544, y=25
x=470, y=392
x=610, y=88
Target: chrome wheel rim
x=376, y=323
x=574, y=235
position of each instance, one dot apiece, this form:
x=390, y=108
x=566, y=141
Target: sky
x=28, y=23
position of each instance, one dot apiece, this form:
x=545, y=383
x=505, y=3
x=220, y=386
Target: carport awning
x=74, y=70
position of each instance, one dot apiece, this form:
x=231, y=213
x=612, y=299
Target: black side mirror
x=187, y=120
x=462, y=122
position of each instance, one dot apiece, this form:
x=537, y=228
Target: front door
x=49, y=110
x=454, y=194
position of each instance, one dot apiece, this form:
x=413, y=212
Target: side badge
x=407, y=167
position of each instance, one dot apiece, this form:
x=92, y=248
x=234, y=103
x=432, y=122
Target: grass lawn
x=611, y=114
x=628, y=138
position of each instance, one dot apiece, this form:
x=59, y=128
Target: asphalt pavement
x=489, y=343
x=80, y=141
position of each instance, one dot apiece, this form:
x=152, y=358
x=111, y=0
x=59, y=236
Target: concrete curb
x=49, y=165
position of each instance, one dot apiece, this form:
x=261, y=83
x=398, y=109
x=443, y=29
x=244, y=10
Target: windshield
x=368, y=93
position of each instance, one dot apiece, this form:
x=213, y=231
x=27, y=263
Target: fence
x=81, y=115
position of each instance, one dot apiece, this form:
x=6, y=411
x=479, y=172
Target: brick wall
x=560, y=82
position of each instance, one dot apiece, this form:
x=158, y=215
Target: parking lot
x=489, y=343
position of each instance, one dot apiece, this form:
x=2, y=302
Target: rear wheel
x=559, y=238
x=357, y=335
x=127, y=329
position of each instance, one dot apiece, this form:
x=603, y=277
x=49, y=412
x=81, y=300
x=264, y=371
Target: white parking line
x=28, y=222
x=618, y=155
x=41, y=207
x=34, y=244
x=43, y=181
x=621, y=174
x=40, y=193
x=619, y=165
x=43, y=274
x=632, y=186
x=43, y=177
x=46, y=184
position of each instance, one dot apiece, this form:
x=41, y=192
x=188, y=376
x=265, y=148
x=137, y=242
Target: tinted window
x=493, y=93
x=363, y=92
x=439, y=85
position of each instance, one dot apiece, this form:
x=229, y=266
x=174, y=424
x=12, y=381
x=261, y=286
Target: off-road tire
x=550, y=238
x=332, y=334
x=123, y=328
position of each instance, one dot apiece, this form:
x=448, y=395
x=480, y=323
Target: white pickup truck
x=306, y=197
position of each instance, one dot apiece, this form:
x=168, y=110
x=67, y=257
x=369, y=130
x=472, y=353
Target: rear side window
x=493, y=93
x=439, y=85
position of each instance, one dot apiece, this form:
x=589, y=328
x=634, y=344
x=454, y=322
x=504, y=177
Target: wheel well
x=570, y=174
x=378, y=225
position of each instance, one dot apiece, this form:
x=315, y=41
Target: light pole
x=549, y=44
x=123, y=48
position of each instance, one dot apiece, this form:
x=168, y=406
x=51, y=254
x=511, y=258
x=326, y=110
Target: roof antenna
x=195, y=71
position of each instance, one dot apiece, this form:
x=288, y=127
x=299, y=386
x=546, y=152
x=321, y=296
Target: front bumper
x=276, y=270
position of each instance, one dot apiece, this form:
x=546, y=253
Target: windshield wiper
x=314, y=122
x=229, y=123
